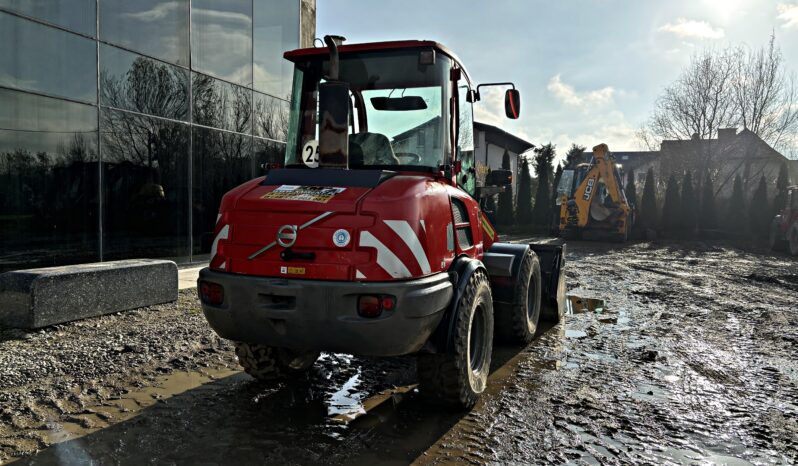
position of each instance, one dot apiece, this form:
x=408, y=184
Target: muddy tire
x=459, y=377
x=267, y=363
x=517, y=323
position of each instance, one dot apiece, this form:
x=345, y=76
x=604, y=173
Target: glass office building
x=122, y=123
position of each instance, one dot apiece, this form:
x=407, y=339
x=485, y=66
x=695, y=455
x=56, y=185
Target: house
x=491, y=142
x=732, y=153
x=638, y=162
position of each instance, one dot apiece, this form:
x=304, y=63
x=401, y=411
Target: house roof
x=502, y=138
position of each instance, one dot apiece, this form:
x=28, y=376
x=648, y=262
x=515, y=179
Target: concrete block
x=36, y=298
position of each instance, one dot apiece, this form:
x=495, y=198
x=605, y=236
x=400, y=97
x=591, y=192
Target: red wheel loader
x=370, y=239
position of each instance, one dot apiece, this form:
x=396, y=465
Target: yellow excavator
x=593, y=204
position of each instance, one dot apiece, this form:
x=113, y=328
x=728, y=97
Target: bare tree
x=765, y=96
x=699, y=102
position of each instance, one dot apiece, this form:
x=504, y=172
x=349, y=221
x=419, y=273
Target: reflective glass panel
x=222, y=105
x=157, y=28
x=266, y=152
x=271, y=117
x=132, y=82
x=222, y=161
x=48, y=60
x=77, y=15
x=48, y=181
x=221, y=39
x=276, y=30
x=145, y=186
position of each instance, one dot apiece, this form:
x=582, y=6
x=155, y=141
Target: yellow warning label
x=296, y=271
x=487, y=227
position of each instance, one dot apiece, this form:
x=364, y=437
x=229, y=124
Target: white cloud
x=789, y=14
x=490, y=108
x=691, y=28
x=160, y=11
x=585, y=100
x=611, y=128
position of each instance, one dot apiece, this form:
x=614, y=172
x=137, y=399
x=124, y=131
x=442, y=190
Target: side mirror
x=512, y=103
x=334, y=124
x=499, y=177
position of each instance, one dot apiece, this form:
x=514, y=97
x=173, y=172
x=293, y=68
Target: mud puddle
x=580, y=305
x=123, y=408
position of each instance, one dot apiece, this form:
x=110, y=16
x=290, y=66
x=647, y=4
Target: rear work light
x=373, y=305
x=211, y=293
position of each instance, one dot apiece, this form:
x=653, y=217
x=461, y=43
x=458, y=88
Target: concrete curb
x=37, y=298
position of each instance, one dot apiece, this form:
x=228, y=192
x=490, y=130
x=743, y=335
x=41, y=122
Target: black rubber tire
x=454, y=378
x=267, y=363
x=517, y=323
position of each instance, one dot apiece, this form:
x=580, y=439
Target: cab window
x=465, y=140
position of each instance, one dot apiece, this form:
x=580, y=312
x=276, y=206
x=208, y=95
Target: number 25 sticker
x=310, y=153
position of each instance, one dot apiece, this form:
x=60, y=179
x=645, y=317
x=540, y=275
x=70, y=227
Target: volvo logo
x=286, y=235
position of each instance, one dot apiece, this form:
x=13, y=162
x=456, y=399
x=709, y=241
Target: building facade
x=122, y=123
x=490, y=144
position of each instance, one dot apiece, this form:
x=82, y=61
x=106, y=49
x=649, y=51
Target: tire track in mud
x=691, y=363
x=693, y=359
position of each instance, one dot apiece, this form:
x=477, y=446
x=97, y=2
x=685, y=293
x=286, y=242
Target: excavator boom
x=596, y=202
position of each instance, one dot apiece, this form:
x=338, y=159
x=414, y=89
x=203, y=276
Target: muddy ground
x=693, y=358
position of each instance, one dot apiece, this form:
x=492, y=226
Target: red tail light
x=372, y=305
x=211, y=293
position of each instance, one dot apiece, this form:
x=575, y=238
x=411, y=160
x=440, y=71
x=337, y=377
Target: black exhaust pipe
x=334, y=113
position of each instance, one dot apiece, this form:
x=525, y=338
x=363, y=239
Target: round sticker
x=310, y=153
x=341, y=238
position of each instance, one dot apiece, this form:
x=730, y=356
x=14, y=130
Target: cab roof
x=318, y=52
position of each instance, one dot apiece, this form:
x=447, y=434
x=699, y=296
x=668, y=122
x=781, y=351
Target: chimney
x=725, y=134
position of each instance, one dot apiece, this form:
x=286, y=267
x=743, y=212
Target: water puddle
x=576, y=334
x=580, y=305
x=117, y=409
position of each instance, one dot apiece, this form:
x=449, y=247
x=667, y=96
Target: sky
x=588, y=71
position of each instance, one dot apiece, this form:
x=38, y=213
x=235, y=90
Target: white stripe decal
x=223, y=234
x=218, y=216
x=223, y=265
x=423, y=225
x=385, y=258
x=402, y=228
x=359, y=274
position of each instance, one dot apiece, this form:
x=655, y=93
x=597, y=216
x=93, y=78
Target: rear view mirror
x=401, y=104
x=512, y=103
x=333, y=124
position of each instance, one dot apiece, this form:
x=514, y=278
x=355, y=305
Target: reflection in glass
x=221, y=39
x=271, y=117
x=266, y=152
x=222, y=161
x=48, y=181
x=132, y=82
x=44, y=59
x=276, y=30
x=222, y=105
x=77, y=15
x=145, y=186
x=158, y=28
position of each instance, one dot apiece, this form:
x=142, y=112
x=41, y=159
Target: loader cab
x=410, y=110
